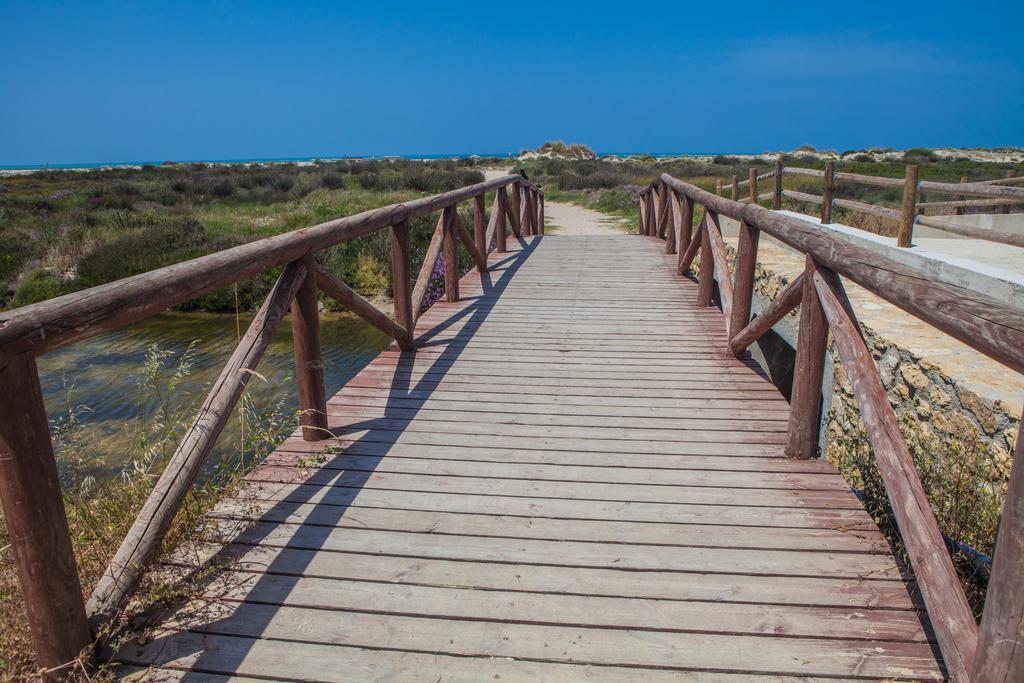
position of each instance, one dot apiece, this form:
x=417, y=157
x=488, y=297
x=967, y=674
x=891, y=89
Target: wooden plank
x=567, y=610
x=185, y=651
x=575, y=644
x=612, y=582
x=768, y=519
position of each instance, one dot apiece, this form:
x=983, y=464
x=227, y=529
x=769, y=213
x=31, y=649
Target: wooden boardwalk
x=569, y=480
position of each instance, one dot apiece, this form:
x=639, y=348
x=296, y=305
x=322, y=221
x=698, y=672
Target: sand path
x=569, y=219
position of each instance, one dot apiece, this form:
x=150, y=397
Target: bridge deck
x=569, y=480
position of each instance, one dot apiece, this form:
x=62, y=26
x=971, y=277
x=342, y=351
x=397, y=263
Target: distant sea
x=286, y=160
x=264, y=160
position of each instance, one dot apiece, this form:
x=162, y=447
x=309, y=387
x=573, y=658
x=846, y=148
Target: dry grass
x=101, y=512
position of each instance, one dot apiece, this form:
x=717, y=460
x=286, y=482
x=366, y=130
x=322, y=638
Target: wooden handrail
x=993, y=327
x=988, y=325
x=48, y=325
x=948, y=610
x=33, y=506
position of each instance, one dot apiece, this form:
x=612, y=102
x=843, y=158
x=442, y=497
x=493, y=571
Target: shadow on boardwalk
x=336, y=487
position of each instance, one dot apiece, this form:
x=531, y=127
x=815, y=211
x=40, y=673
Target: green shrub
x=40, y=285
x=15, y=249
x=160, y=244
x=333, y=181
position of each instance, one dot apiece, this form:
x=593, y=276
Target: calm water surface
x=102, y=380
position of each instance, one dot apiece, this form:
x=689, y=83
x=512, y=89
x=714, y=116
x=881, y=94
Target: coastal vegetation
x=62, y=231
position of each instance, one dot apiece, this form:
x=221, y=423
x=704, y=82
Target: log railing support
x=540, y=215
x=685, y=231
x=706, y=276
x=513, y=206
x=480, y=229
x=696, y=243
x=780, y=306
x=419, y=292
x=805, y=403
x=735, y=190
x=451, y=254
x=342, y=293
x=1000, y=654
x=641, y=226
x=906, y=233
x=777, y=195
x=675, y=223
x=501, y=227
x=36, y=523
x=952, y=621
x=148, y=530
x=827, y=195
x=309, y=366
x=753, y=185
x=663, y=219
x=743, y=286
x=718, y=187
x=401, y=285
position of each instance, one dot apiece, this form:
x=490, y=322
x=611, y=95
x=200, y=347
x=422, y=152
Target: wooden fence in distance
x=994, y=194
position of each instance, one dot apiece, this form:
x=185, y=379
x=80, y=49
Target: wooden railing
x=993, y=327
x=60, y=622
x=995, y=194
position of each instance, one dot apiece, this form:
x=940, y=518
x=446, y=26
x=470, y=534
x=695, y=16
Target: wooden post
x=540, y=215
x=36, y=524
x=480, y=228
x=735, y=188
x=526, y=212
x=685, y=233
x=1000, y=653
x=401, y=286
x=706, y=276
x=777, y=196
x=451, y=255
x=309, y=367
x=743, y=284
x=675, y=224
x=641, y=227
x=753, y=185
x=826, y=198
x=663, y=217
x=805, y=402
x=959, y=210
x=906, y=233
x=501, y=235
x=513, y=205
x=718, y=187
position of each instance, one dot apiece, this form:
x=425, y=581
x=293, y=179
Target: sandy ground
x=569, y=219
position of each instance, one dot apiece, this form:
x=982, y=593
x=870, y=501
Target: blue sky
x=106, y=81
